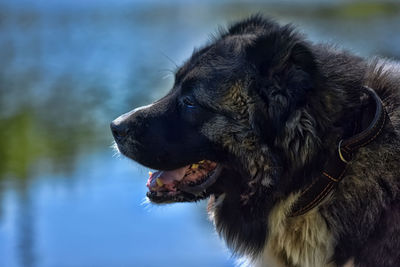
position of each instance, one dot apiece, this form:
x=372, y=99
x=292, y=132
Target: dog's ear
x=301, y=56
x=285, y=73
x=259, y=53
x=274, y=51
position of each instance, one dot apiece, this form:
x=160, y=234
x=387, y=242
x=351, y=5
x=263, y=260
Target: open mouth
x=188, y=183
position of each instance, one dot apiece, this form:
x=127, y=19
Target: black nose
x=119, y=130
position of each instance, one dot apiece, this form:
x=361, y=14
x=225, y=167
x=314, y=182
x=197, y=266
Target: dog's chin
x=189, y=188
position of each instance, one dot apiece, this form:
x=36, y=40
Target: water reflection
x=25, y=231
x=65, y=72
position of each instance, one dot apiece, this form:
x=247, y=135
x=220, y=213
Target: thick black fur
x=270, y=107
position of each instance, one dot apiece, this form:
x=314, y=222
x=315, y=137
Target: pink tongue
x=167, y=177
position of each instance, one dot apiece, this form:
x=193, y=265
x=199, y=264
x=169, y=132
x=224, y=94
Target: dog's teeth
x=159, y=182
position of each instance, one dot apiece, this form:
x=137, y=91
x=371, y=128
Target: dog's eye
x=189, y=102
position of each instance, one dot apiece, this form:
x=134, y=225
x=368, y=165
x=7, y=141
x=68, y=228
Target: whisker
x=170, y=59
x=115, y=148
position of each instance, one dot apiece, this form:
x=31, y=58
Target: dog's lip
x=192, y=174
x=186, y=192
x=197, y=189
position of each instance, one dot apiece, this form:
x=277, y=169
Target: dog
x=295, y=144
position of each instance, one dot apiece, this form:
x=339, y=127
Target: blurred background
x=69, y=67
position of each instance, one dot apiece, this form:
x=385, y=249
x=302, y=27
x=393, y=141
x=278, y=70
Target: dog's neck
x=374, y=116
x=310, y=139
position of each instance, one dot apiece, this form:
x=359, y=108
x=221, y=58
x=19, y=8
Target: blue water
x=100, y=219
x=67, y=69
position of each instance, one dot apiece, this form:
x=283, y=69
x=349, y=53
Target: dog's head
x=223, y=127
x=220, y=123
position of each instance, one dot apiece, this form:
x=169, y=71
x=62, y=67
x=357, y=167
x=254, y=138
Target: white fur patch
x=266, y=260
x=142, y=107
x=303, y=240
x=212, y=207
x=124, y=116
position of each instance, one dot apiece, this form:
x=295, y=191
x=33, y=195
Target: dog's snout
x=119, y=129
x=120, y=126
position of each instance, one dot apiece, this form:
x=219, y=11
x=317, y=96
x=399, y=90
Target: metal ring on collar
x=340, y=152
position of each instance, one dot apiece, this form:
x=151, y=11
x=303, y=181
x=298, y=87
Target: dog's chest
x=299, y=241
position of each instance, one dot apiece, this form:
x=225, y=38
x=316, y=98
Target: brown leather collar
x=335, y=167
